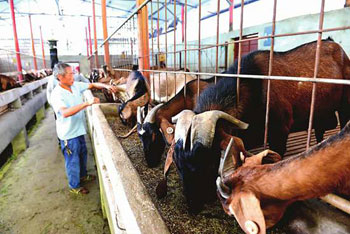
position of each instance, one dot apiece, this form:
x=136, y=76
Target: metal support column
x=42, y=47
x=18, y=56
x=32, y=38
x=105, y=33
x=95, y=37
x=142, y=19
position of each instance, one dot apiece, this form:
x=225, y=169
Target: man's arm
x=67, y=112
x=112, y=88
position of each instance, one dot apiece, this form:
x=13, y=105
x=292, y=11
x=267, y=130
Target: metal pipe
x=175, y=44
x=105, y=33
x=90, y=42
x=95, y=37
x=270, y=73
x=32, y=39
x=261, y=77
x=166, y=48
x=142, y=19
x=185, y=59
x=266, y=37
x=18, y=56
x=316, y=68
x=231, y=7
x=217, y=40
x=199, y=42
x=42, y=47
x=240, y=50
x=152, y=33
x=87, y=42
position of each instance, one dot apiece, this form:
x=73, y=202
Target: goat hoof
x=251, y=227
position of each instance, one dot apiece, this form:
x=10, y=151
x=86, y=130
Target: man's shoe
x=79, y=191
x=87, y=178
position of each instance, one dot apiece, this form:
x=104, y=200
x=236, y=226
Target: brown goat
x=7, y=83
x=257, y=193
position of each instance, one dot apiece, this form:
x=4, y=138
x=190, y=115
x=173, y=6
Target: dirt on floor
x=173, y=208
x=34, y=196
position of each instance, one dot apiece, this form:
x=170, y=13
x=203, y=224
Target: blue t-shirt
x=72, y=126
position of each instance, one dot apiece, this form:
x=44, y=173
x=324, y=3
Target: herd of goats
x=202, y=119
x=199, y=119
x=9, y=82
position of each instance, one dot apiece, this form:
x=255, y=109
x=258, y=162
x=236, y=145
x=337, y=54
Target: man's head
x=63, y=72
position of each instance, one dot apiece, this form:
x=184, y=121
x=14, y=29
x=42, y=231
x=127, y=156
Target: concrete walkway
x=34, y=196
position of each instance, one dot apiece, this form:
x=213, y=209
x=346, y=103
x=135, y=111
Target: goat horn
x=139, y=116
x=203, y=126
x=224, y=164
x=183, y=122
x=151, y=117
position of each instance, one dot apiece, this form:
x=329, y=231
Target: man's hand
x=94, y=100
x=112, y=88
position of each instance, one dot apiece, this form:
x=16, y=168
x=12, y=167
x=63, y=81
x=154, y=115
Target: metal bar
x=90, y=42
x=142, y=19
x=158, y=47
x=95, y=37
x=270, y=73
x=316, y=68
x=199, y=43
x=32, y=39
x=231, y=15
x=175, y=44
x=240, y=50
x=166, y=49
x=105, y=33
x=217, y=40
x=327, y=80
x=185, y=35
x=42, y=47
x=153, y=50
x=277, y=35
x=18, y=56
x=87, y=43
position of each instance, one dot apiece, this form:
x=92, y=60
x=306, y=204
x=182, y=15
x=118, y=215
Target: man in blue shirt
x=67, y=102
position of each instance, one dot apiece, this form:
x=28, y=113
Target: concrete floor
x=34, y=196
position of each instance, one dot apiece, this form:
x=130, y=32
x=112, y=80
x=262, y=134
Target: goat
x=198, y=159
x=164, y=86
x=156, y=129
x=138, y=89
x=257, y=189
x=7, y=83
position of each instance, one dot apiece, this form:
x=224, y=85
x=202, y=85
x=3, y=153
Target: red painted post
x=142, y=20
x=231, y=16
x=87, y=43
x=95, y=37
x=105, y=33
x=32, y=38
x=90, y=42
x=18, y=56
x=42, y=47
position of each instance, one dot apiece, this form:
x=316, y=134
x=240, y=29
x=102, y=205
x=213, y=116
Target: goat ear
x=264, y=157
x=247, y=211
x=236, y=150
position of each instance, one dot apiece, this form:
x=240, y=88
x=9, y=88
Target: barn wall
x=335, y=18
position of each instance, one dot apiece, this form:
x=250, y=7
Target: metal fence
x=203, y=57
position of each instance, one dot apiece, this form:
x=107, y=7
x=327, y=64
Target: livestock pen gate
x=153, y=35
